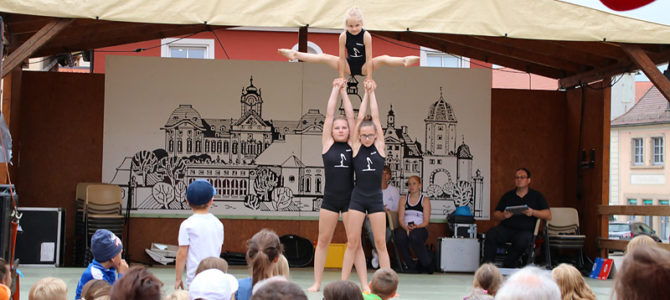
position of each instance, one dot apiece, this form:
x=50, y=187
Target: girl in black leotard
x=355, y=51
x=337, y=163
x=369, y=156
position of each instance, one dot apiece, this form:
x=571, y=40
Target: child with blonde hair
x=48, y=288
x=281, y=267
x=212, y=263
x=178, y=295
x=640, y=241
x=571, y=283
x=355, y=51
x=486, y=283
x=96, y=289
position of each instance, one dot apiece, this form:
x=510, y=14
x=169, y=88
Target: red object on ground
x=621, y=5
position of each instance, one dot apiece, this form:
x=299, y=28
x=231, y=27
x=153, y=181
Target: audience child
x=486, y=283
x=48, y=288
x=96, y=289
x=136, y=284
x=213, y=284
x=280, y=289
x=263, y=252
x=264, y=282
x=640, y=241
x=529, y=283
x=201, y=235
x=342, y=290
x=571, y=283
x=644, y=274
x=212, y=263
x=107, y=262
x=383, y=285
x=281, y=267
x=178, y=295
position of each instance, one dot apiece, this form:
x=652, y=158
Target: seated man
x=516, y=228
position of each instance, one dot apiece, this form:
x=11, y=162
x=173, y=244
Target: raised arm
x=348, y=110
x=374, y=112
x=327, y=135
x=342, y=54
x=367, y=41
x=362, y=110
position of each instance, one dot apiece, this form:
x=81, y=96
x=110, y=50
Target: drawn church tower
x=441, y=129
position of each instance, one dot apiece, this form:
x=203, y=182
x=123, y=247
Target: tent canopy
x=552, y=38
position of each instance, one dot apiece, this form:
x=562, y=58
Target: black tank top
x=369, y=166
x=339, y=173
x=355, y=46
x=417, y=207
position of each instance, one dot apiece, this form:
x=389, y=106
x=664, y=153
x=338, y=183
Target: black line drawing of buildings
x=271, y=167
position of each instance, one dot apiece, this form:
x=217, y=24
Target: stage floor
x=412, y=286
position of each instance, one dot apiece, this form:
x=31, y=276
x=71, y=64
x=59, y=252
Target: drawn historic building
x=273, y=165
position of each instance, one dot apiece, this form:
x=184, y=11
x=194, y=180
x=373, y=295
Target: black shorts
x=366, y=204
x=356, y=66
x=335, y=204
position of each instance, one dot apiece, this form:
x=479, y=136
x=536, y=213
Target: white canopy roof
x=527, y=19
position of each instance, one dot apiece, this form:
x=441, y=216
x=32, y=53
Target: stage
x=412, y=286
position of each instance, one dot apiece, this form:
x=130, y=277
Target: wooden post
x=10, y=109
x=302, y=39
x=36, y=41
x=647, y=66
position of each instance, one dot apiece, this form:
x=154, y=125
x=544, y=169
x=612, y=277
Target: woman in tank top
x=366, y=197
x=414, y=218
x=339, y=180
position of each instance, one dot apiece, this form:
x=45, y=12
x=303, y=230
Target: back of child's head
x=571, y=283
x=342, y=290
x=178, y=295
x=353, y=13
x=263, y=249
x=212, y=262
x=640, y=241
x=384, y=283
x=48, y=288
x=136, y=284
x=5, y=273
x=281, y=267
x=488, y=278
x=96, y=289
x=199, y=193
x=105, y=245
x=279, y=290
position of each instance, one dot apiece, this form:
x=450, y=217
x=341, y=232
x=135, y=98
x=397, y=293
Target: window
x=434, y=58
x=632, y=202
x=648, y=219
x=638, y=151
x=187, y=48
x=657, y=146
x=664, y=222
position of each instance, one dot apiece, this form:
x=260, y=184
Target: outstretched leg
x=327, y=223
x=330, y=60
x=385, y=60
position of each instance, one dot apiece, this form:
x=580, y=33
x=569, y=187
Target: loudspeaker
x=41, y=241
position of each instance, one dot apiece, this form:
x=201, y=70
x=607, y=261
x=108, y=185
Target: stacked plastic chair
x=98, y=207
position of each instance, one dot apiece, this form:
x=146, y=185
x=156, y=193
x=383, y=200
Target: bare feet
x=365, y=287
x=314, y=288
x=410, y=60
x=288, y=53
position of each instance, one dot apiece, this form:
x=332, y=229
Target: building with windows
x=641, y=138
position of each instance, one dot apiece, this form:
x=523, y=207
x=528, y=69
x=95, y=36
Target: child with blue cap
x=200, y=235
x=107, y=262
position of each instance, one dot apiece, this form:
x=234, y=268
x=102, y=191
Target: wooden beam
x=649, y=68
x=547, y=48
x=596, y=75
x=31, y=45
x=532, y=56
x=634, y=210
x=621, y=244
x=302, y=39
x=448, y=47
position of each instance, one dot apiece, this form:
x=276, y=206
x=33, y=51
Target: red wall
x=62, y=130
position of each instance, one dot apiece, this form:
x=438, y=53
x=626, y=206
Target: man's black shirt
x=533, y=199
